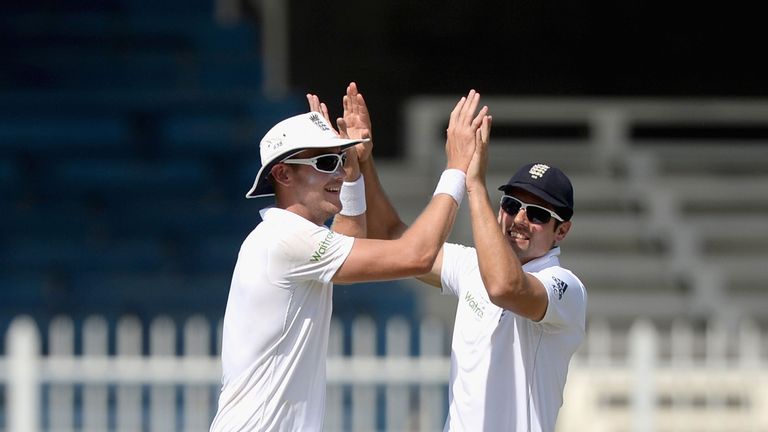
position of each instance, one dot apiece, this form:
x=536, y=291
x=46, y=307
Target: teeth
x=517, y=235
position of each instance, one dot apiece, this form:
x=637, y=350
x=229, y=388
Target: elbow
x=422, y=263
x=500, y=293
x=416, y=261
x=417, y=258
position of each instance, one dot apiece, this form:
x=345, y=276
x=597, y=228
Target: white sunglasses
x=535, y=213
x=327, y=163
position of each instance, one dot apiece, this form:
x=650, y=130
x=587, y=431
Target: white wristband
x=454, y=183
x=353, y=197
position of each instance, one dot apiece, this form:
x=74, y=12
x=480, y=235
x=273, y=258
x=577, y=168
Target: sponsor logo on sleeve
x=474, y=305
x=559, y=287
x=322, y=248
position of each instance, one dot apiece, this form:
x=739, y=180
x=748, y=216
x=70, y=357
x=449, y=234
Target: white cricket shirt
x=276, y=326
x=508, y=372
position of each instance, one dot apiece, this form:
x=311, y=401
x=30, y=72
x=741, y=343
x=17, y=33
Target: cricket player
x=276, y=324
x=520, y=314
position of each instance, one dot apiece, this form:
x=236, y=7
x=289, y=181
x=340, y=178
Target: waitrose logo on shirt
x=322, y=248
x=474, y=305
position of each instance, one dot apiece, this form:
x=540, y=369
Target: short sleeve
x=314, y=253
x=458, y=261
x=567, y=296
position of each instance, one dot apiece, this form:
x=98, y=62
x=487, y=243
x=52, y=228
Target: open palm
x=358, y=121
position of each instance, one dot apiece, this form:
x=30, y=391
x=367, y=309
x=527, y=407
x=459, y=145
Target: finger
x=324, y=110
x=355, y=92
x=473, y=100
x=456, y=110
x=314, y=102
x=463, y=111
x=478, y=120
x=486, y=128
x=361, y=103
x=479, y=144
x=342, y=125
x=347, y=106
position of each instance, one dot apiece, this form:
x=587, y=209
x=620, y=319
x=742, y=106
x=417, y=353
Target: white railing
x=684, y=378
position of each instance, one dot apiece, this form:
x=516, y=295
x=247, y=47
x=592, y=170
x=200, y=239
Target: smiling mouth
x=516, y=235
x=333, y=189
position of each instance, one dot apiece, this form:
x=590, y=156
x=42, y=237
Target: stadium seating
x=128, y=134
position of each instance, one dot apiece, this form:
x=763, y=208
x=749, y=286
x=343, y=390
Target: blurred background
x=129, y=135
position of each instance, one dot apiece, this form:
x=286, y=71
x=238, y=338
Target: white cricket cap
x=290, y=136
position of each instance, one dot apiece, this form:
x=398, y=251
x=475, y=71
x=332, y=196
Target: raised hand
x=358, y=121
x=478, y=165
x=352, y=165
x=462, y=128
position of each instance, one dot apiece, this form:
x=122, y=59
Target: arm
x=507, y=284
x=353, y=226
x=414, y=253
x=382, y=219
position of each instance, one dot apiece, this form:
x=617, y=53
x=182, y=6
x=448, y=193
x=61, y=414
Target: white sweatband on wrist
x=454, y=183
x=353, y=197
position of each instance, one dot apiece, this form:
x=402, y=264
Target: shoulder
x=289, y=238
x=457, y=252
x=559, y=281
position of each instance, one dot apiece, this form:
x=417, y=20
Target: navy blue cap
x=546, y=182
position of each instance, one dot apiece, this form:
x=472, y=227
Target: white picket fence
x=641, y=378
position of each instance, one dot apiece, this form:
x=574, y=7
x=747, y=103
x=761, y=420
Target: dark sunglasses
x=535, y=213
x=327, y=163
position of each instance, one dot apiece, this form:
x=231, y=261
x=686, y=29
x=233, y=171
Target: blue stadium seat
x=152, y=293
x=22, y=292
x=63, y=134
x=127, y=178
x=231, y=71
x=204, y=134
x=122, y=130
x=42, y=253
x=10, y=178
x=57, y=218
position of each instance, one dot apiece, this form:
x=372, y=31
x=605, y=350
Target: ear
x=562, y=230
x=281, y=174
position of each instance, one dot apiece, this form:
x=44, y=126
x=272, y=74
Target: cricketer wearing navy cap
x=520, y=315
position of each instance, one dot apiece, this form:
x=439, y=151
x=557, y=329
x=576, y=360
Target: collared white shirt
x=508, y=372
x=276, y=326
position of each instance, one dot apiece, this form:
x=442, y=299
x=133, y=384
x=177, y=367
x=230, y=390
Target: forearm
x=411, y=255
x=500, y=269
x=352, y=226
x=382, y=219
x=351, y=220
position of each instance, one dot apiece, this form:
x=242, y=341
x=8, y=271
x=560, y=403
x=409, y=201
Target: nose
x=339, y=173
x=520, y=216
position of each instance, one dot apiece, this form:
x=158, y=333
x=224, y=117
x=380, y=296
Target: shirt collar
x=549, y=260
x=273, y=213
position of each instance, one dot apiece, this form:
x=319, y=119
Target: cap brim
x=261, y=185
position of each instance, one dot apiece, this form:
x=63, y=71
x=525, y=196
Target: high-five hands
x=357, y=120
x=352, y=166
x=462, y=131
x=478, y=166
